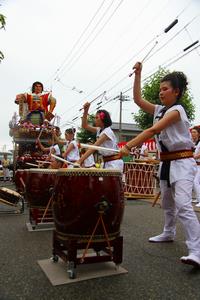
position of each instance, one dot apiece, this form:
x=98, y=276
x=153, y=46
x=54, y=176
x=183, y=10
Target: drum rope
x=90, y=240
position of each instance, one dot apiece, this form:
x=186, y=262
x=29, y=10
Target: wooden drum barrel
x=80, y=196
x=21, y=176
x=140, y=181
x=39, y=185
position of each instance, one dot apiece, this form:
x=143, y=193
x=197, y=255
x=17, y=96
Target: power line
x=94, y=38
x=166, y=30
x=78, y=40
x=86, y=39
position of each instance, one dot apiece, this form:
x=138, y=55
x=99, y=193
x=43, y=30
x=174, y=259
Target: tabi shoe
x=195, y=201
x=191, y=259
x=162, y=238
x=197, y=205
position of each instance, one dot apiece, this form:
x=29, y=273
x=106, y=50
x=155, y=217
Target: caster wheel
x=71, y=270
x=55, y=258
x=71, y=274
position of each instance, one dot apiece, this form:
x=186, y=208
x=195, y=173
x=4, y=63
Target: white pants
x=196, y=185
x=176, y=202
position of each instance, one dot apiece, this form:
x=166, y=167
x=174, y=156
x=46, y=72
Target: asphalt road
x=154, y=270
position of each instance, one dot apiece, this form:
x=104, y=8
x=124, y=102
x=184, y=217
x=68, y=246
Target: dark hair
x=106, y=119
x=34, y=84
x=70, y=130
x=177, y=80
x=197, y=129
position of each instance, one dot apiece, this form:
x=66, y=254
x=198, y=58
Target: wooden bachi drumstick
x=102, y=94
x=81, y=145
x=43, y=161
x=30, y=164
x=145, y=57
x=63, y=160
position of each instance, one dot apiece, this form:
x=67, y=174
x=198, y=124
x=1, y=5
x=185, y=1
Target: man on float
x=44, y=103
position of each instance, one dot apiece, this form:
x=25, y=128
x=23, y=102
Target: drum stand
x=106, y=250
x=42, y=216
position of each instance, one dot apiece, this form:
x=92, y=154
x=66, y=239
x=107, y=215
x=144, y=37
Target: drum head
x=88, y=172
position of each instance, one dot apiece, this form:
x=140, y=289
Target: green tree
x=150, y=92
x=2, y=26
x=85, y=136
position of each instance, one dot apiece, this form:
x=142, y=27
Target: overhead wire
x=93, y=39
x=86, y=39
x=78, y=40
x=131, y=58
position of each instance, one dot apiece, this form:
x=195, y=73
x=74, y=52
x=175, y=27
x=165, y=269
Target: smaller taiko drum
x=39, y=187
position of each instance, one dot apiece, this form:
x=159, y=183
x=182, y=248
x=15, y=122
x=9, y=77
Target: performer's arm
x=168, y=119
x=100, y=141
x=44, y=149
x=68, y=150
x=85, y=124
x=137, y=97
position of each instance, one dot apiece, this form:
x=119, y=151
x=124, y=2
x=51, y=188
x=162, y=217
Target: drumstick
x=145, y=57
x=40, y=133
x=98, y=147
x=43, y=161
x=102, y=94
x=34, y=165
x=64, y=160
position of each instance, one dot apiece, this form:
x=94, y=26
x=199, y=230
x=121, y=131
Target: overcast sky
x=91, y=46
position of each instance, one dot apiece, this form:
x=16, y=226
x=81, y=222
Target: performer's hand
x=138, y=68
x=77, y=164
x=86, y=107
x=124, y=151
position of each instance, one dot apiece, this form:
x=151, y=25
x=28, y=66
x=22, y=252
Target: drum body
x=140, y=180
x=21, y=176
x=80, y=194
x=39, y=185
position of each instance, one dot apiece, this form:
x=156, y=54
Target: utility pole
x=121, y=99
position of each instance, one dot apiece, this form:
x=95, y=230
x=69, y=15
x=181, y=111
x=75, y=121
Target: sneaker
x=197, y=205
x=162, y=238
x=191, y=259
x=195, y=201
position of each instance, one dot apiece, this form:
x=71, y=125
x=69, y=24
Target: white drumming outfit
x=89, y=161
x=196, y=186
x=73, y=155
x=112, y=144
x=56, y=148
x=142, y=151
x=176, y=198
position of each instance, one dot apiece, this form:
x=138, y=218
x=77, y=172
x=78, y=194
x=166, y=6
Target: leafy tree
x=150, y=92
x=2, y=26
x=85, y=136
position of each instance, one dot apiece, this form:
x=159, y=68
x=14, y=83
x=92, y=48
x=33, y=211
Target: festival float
x=35, y=121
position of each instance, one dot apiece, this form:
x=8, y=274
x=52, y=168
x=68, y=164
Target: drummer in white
x=71, y=153
x=178, y=167
x=105, y=138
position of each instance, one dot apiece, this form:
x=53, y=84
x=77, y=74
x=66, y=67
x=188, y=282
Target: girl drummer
x=72, y=152
x=105, y=138
x=178, y=167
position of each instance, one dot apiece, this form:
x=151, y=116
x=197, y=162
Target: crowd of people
x=179, y=153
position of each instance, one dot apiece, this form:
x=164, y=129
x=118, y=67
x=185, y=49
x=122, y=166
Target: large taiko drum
x=39, y=185
x=140, y=181
x=79, y=196
x=21, y=176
